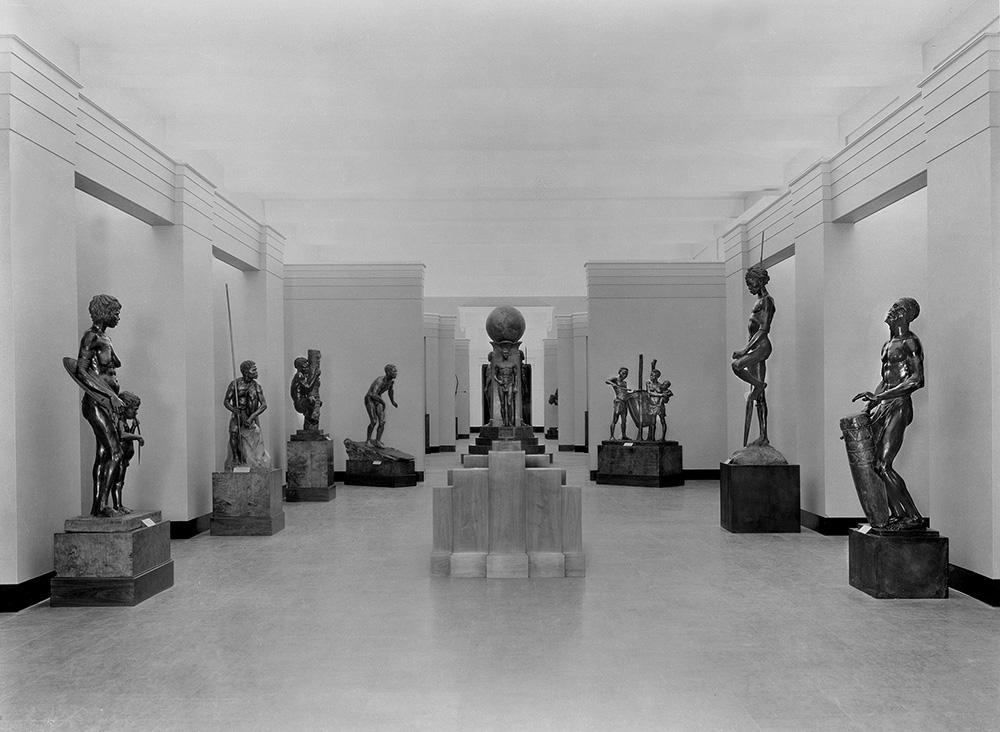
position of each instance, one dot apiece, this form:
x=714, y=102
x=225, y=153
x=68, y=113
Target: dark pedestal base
x=111, y=561
x=387, y=474
x=759, y=498
x=899, y=565
x=310, y=493
x=111, y=591
x=552, y=433
x=656, y=464
x=309, y=476
x=247, y=504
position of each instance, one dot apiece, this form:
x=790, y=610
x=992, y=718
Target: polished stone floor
x=335, y=623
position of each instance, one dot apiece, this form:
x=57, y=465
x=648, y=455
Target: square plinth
x=759, y=498
x=309, y=476
x=111, y=566
x=382, y=473
x=247, y=504
x=658, y=464
x=900, y=565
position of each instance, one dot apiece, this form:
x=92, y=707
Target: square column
x=580, y=401
x=462, y=403
x=446, y=382
x=550, y=348
x=566, y=380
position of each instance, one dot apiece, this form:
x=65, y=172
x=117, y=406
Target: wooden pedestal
x=759, y=498
x=658, y=464
x=903, y=564
x=114, y=561
x=309, y=476
x=247, y=504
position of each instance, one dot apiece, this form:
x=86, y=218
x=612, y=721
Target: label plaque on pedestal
x=759, y=498
x=658, y=464
x=112, y=561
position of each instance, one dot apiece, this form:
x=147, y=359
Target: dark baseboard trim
x=829, y=525
x=593, y=475
x=446, y=448
x=539, y=429
x=191, y=527
x=567, y=448
x=710, y=474
x=462, y=436
x=420, y=476
x=580, y=448
x=25, y=594
x=974, y=585
x=431, y=449
x=474, y=429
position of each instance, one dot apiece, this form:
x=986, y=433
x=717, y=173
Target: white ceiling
x=384, y=127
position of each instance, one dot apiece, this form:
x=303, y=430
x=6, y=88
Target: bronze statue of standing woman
x=750, y=364
x=96, y=371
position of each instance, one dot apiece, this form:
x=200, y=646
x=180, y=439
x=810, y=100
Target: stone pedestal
x=635, y=462
x=900, y=564
x=507, y=521
x=247, y=504
x=759, y=498
x=112, y=561
x=379, y=466
x=309, y=476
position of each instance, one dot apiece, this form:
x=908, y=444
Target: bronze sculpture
x=658, y=394
x=128, y=434
x=305, y=390
x=619, y=409
x=505, y=378
x=95, y=370
x=245, y=400
x=750, y=364
x=376, y=406
x=888, y=412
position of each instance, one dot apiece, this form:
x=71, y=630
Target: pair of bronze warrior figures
x=875, y=437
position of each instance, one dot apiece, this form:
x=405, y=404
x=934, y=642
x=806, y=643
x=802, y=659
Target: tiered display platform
x=507, y=519
x=247, y=503
x=524, y=435
x=309, y=476
x=898, y=564
x=121, y=560
x=640, y=462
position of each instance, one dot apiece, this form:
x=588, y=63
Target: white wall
x=361, y=317
x=137, y=263
x=879, y=260
x=674, y=312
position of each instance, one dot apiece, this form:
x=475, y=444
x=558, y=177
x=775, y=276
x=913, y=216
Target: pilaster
x=432, y=384
x=961, y=332
x=39, y=405
x=270, y=292
x=550, y=349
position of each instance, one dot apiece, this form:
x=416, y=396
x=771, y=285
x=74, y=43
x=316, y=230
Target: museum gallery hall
x=564, y=365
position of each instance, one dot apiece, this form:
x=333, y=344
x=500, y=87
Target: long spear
x=238, y=458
